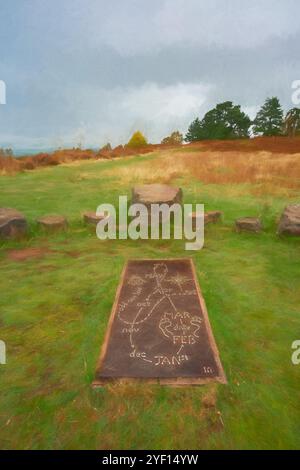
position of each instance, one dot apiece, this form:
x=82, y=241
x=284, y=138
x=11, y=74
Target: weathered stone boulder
x=92, y=218
x=248, y=224
x=290, y=220
x=53, y=223
x=156, y=194
x=13, y=224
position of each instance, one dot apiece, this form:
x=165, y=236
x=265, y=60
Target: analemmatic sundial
x=159, y=329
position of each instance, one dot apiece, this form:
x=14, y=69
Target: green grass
x=54, y=312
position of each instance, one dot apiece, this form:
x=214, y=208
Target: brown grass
x=239, y=167
x=267, y=144
x=271, y=165
x=269, y=173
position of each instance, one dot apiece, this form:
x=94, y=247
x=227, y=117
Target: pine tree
x=269, y=119
x=194, y=131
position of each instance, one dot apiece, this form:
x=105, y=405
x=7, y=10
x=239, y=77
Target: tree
x=292, y=122
x=194, y=131
x=6, y=152
x=225, y=121
x=269, y=119
x=137, y=140
x=176, y=138
x=106, y=148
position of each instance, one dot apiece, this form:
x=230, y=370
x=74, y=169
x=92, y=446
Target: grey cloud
x=104, y=70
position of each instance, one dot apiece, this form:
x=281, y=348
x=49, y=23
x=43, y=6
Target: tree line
x=228, y=121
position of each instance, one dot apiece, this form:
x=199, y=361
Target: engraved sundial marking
x=158, y=327
x=160, y=273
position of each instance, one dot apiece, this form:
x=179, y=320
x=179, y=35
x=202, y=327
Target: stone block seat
x=290, y=221
x=248, y=224
x=53, y=223
x=13, y=224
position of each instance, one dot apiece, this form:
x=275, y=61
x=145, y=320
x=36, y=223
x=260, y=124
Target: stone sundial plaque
x=159, y=331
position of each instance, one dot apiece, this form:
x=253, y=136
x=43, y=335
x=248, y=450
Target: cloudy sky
x=93, y=71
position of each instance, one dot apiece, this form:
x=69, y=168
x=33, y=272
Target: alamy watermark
x=2, y=353
x=2, y=92
x=296, y=92
x=154, y=221
x=296, y=354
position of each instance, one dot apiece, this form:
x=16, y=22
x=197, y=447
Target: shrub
x=176, y=138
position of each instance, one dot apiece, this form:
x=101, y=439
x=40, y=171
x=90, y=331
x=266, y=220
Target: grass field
x=57, y=292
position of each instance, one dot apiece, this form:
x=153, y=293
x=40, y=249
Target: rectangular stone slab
x=159, y=330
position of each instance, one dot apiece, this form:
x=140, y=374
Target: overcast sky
x=93, y=71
